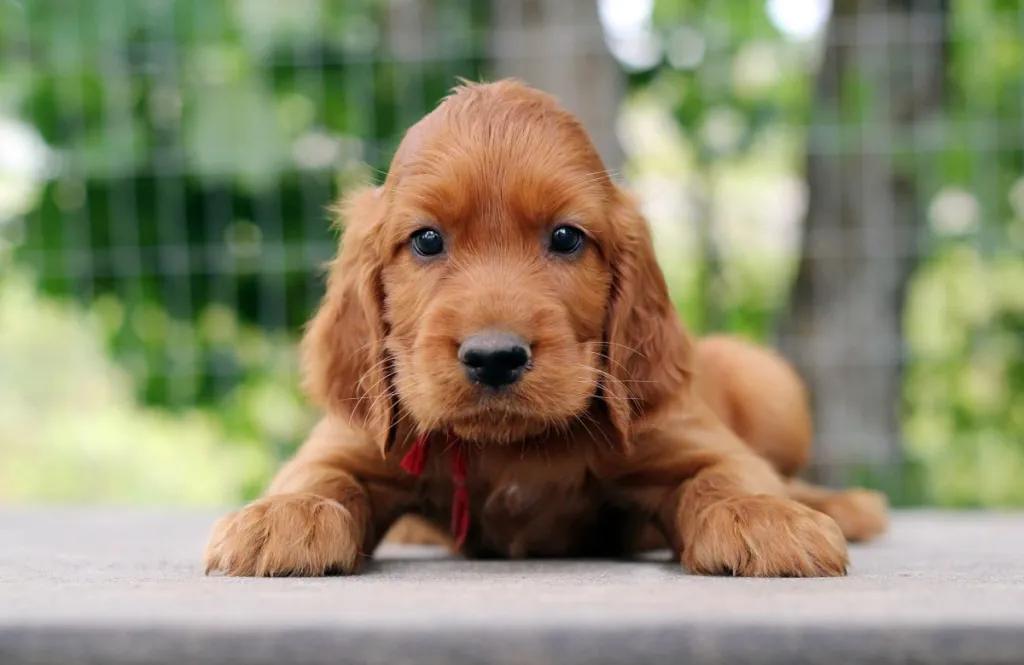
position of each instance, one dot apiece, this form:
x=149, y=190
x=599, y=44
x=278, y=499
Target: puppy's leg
x=724, y=508
x=414, y=530
x=861, y=514
x=321, y=515
x=734, y=519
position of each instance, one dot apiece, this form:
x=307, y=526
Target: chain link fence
x=841, y=179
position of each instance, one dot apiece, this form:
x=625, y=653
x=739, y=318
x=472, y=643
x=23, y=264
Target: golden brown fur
x=623, y=426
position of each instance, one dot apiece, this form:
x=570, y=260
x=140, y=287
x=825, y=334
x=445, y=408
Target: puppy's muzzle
x=494, y=359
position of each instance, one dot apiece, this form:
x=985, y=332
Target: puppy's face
x=496, y=280
x=494, y=284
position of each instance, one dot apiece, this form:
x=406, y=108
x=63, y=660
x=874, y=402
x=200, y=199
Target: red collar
x=416, y=459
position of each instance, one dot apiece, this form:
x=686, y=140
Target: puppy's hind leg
x=861, y=514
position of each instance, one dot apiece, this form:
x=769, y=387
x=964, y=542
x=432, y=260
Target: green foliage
x=731, y=81
x=71, y=429
x=964, y=387
x=747, y=79
x=201, y=143
x=966, y=419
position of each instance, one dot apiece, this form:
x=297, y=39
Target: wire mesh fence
x=842, y=179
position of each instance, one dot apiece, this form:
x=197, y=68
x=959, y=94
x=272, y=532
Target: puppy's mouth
x=493, y=404
x=497, y=415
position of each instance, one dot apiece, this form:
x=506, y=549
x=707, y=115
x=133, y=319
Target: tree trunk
x=881, y=78
x=558, y=46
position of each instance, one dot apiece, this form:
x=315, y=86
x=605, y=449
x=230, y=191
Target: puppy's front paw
x=285, y=535
x=765, y=536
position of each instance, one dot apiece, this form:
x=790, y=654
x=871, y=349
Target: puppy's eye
x=566, y=239
x=427, y=242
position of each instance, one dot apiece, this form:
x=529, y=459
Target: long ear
x=346, y=371
x=648, y=350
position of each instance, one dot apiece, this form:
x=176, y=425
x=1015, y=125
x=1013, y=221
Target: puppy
x=496, y=352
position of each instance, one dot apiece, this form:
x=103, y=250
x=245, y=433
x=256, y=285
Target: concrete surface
x=109, y=587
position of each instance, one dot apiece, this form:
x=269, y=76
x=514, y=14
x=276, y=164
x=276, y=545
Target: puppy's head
x=496, y=284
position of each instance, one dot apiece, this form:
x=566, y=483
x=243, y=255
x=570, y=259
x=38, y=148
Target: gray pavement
x=110, y=586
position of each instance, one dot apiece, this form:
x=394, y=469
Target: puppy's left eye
x=566, y=239
x=427, y=243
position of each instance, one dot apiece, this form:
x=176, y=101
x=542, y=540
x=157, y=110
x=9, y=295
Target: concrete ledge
x=106, y=586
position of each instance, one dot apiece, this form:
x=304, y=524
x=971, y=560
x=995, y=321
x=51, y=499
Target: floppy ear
x=346, y=371
x=648, y=350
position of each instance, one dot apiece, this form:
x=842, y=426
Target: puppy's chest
x=526, y=518
x=540, y=505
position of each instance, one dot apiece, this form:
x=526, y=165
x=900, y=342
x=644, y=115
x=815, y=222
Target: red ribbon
x=416, y=460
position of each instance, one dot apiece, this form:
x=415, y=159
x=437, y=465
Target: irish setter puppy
x=497, y=348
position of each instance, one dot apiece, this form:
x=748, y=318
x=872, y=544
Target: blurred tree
x=558, y=45
x=882, y=81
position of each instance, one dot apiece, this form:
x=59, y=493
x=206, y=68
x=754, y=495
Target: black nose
x=494, y=359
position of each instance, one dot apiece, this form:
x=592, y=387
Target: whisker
x=613, y=361
x=604, y=435
x=628, y=348
x=577, y=418
x=613, y=378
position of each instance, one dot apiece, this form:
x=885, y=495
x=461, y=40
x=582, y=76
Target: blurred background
x=842, y=179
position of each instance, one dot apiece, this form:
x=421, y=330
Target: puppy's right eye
x=427, y=243
x=566, y=239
